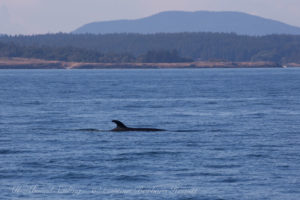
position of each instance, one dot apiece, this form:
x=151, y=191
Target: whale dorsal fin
x=119, y=124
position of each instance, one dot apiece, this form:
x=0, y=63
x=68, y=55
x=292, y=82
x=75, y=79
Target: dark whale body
x=121, y=127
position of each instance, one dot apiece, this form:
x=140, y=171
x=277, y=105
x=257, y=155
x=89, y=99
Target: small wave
x=33, y=103
x=9, y=176
x=150, y=153
x=222, y=166
x=219, y=130
x=121, y=159
x=8, y=151
x=257, y=156
x=187, y=131
x=132, y=178
x=283, y=166
x=218, y=149
x=258, y=115
x=33, y=164
x=193, y=174
x=229, y=180
x=211, y=103
x=262, y=103
x=267, y=146
x=73, y=175
x=192, y=144
x=88, y=130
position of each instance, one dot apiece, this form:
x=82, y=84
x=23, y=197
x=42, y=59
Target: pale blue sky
x=50, y=16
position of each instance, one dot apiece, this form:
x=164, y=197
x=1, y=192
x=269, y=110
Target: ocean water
x=231, y=134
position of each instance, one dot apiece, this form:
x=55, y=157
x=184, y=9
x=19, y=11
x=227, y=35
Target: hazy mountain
x=200, y=21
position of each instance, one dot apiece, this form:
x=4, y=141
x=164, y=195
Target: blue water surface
x=232, y=134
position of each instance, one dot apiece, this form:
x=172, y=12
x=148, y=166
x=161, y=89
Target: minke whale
x=122, y=127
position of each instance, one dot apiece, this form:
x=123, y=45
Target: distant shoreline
x=24, y=63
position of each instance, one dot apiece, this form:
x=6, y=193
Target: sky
x=52, y=16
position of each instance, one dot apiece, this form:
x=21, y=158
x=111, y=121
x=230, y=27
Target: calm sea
x=232, y=134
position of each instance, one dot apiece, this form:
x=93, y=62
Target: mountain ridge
x=198, y=21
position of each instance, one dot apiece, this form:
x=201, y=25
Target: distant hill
x=200, y=21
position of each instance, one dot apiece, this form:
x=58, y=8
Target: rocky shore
x=23, y=63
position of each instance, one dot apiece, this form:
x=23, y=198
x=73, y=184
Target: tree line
x=161, y=47
x=73, y=54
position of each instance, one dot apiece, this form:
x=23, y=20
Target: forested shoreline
x=153, y=48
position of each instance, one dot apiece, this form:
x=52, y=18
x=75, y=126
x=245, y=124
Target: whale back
x=119, y=124
x=122, y=127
